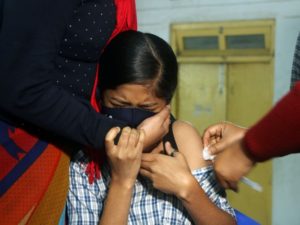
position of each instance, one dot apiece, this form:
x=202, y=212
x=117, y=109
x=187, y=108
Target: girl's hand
x=169, y=174
x=156, y=127
x=125, y=157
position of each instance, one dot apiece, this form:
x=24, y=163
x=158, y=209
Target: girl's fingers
x=148, y=157
x=146, y=166
x=170, y=151
x=110, y=136
x=145, y=173
x=133, y=138
x=141, y=139
x=123, y=141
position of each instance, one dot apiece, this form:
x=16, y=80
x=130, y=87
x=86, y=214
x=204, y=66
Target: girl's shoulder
x=189, y=143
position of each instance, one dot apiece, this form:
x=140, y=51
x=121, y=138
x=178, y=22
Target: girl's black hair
x=140, y=58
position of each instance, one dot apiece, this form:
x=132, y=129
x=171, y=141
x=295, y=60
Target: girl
x=140, y=78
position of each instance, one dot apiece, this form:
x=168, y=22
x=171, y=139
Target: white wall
x=155, y=16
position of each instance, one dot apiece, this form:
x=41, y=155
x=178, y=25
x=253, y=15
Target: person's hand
x=232, y=164
x=125, y=157
x=156, y=127
x=219, y=136
x=169, y=174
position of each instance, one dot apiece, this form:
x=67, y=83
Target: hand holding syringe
x=255, y=186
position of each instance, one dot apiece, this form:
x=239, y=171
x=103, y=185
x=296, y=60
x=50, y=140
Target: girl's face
x=133, y=95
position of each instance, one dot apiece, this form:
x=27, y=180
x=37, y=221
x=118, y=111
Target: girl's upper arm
x=189, y=143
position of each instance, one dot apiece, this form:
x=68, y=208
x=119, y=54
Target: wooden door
x=250, y=95
x=201, y=94
x=237, y=92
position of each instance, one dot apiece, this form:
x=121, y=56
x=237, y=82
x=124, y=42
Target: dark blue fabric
x=7, y=143
x=134, y=116
x=131, y=116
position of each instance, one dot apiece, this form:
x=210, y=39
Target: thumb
x=218, y=147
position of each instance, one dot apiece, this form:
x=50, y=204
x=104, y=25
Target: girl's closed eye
x=117, y=104
x=150, y=107
x=120, y=104
x=135, y=96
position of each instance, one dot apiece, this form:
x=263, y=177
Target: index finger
x=148, y=157
x=110, y=136
x=141, y=139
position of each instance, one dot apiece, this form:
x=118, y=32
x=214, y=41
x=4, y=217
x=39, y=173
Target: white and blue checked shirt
x=148, y=205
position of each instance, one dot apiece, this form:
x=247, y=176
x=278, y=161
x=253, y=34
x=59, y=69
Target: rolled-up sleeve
x=207, y=180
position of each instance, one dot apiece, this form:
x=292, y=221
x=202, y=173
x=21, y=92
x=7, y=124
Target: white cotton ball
x=206, y=155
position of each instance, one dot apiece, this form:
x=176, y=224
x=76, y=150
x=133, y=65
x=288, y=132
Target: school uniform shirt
x=148, y=205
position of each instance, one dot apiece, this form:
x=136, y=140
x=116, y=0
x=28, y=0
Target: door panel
x=249, y=97
x=250, y=92
x=201, y=94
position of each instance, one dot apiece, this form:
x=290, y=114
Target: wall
x=155, y=16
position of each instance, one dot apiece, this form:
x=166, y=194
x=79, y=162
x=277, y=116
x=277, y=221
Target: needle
x=254, y=185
